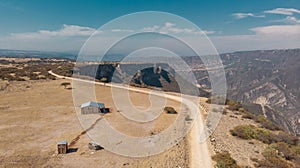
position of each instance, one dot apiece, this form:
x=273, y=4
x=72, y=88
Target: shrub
x=273, y=162
x=267, y=123
x=170, y=110
x=253, y=132
x=65, y=84
x=265, y=136
x=248, y=115
x=233, y=105
x=283, y=148
x=273, y=159
x=296, y=149
x=224, y=160
x=104, y=80
x=19, y=79
x=244, y=131
x=33, y=76
x=287, y=138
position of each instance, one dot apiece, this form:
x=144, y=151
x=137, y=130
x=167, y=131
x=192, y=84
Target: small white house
x=93, y=108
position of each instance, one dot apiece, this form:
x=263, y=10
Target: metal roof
x=62, y=142
x=92, y=104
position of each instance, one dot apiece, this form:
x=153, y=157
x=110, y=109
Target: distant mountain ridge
x=36, y=54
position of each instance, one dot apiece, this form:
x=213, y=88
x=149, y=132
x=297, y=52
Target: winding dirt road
x=200, y=155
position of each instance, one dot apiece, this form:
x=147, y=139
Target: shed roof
x=93, y=104
x=62, y=142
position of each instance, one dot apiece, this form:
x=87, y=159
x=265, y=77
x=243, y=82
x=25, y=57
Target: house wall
x=62, y=149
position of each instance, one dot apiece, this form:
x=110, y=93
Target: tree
x=65, y=84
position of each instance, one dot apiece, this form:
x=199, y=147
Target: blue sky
x=232, y=25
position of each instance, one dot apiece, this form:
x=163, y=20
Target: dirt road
x=200, y=155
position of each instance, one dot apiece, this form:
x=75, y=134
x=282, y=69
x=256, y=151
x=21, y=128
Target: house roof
x=93, y=104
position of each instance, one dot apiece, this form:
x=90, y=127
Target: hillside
x=243, y=139
x=267, y=78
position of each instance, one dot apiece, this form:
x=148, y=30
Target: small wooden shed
x=62, y=147
x=93, y=108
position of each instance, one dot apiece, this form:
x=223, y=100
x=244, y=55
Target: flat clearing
x=37, y=114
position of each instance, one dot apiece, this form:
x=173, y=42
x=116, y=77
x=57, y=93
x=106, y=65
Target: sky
x=64, y=26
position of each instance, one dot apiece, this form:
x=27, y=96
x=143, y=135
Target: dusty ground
x=240, y=150
x=37, y=114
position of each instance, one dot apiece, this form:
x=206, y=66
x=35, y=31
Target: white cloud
x=172, y=28
x=289, y=20
x=122, y=30
x=65, y=31
x=278, y=30
x=151, y=29
x=208, y=32
x=245, y=15
x=283, y=11
x=267, y=37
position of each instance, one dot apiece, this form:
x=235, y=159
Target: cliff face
x=269, y=78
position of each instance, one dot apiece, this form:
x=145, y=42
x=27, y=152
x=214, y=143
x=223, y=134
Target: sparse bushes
x=64, y=69
x=273, y=158
x=33, y=71
x=241, y=109
x=296, y=149
x=232, y=105
x=263, y=135
x=33, y=76
x=282, y=148
x=266, y=123
x=273, y=162
x=224, y=160
x=253, y=132
x=287, y=138
x=170, y=110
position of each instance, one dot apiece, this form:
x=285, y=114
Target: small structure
x=62, y=147
x=94, y=146
x=93, y=108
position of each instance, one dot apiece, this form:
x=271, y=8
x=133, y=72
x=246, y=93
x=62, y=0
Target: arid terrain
x=37, y=113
